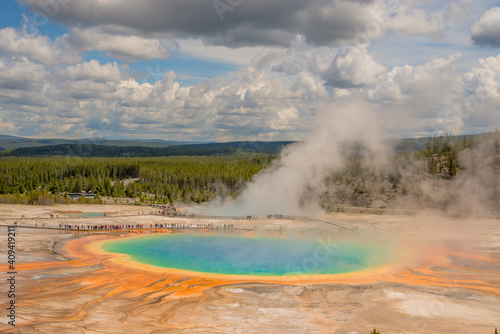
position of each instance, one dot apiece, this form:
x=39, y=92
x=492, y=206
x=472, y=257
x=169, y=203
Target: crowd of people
x=99, y=227
x=110, y=227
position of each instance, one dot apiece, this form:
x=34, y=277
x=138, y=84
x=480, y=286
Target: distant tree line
x=161, y=179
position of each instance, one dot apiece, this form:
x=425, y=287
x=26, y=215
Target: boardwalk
x=88, y=226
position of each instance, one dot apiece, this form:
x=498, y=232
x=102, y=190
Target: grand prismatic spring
x=264, y=256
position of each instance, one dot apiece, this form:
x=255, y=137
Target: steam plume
x=294, y=183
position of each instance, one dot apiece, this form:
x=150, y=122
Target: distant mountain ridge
x=157, y=147
x=91, y=150
x=9, y=137
x=12, y=142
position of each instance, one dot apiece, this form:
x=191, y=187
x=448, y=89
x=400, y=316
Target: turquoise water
x=239, y=255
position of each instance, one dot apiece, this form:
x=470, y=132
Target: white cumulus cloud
x=38, y=48
x=128, y=48
x=93, y=71
x=486, y=30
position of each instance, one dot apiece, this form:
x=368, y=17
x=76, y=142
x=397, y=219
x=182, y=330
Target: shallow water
x=241, y=255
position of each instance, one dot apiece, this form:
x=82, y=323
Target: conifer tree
x=452, y=164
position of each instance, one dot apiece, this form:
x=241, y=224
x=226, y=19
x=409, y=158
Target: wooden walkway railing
x=163, y=226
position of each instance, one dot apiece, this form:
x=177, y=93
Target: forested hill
x=91, y=150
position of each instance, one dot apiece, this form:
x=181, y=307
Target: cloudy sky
x=245, y=69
